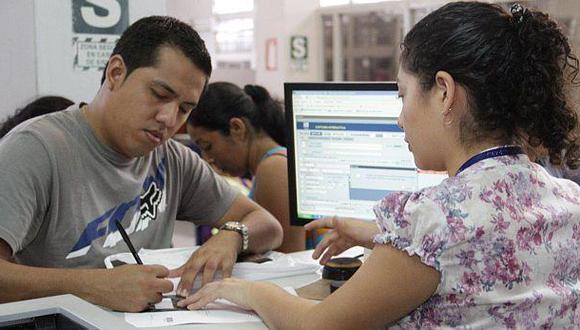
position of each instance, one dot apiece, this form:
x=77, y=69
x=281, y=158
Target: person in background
x=69, y=179
x=242, y=131
x=560, y=171
x=495, y=245
x=38, y=107
x=205, y=232
x=540, y=155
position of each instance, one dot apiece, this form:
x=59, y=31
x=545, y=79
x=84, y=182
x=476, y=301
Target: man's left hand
x=219, y=253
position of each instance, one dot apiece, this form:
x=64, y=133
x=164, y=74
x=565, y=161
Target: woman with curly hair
x=497, y=244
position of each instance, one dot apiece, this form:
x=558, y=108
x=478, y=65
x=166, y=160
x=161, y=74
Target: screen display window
x=346, y=151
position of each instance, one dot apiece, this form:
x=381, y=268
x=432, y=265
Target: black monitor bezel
x=330, y=86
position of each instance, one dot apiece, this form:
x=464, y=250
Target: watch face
x=241, y=229
x=233, y=225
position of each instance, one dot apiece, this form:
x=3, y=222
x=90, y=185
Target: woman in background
x=40, y=106
x=242, y=131
x=497, y=244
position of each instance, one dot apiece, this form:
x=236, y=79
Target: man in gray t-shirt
x=68, y=178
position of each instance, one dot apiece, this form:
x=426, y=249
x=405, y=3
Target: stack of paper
x=282, y=265
x=221, y=311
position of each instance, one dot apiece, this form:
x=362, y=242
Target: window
x=329, y=3
x=221, y=7
x=368, y=48
x=235, y=35
x=369, y=1
x=233, y=28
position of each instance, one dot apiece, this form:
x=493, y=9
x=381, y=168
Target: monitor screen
x=345, y=149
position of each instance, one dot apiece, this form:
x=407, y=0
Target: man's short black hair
x=139, y=45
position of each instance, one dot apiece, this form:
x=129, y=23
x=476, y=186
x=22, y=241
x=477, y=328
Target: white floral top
x=504, y=235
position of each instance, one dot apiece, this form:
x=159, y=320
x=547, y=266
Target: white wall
x=281, y=19
x=37, y=54
x=36, y=51
x=17, y=55
x=273, y=19
x=55, y=52
x=198, y=13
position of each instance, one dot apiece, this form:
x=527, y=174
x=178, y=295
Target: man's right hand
x=345, y=233
x=129, y=288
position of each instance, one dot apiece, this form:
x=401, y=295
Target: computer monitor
x=345, y=149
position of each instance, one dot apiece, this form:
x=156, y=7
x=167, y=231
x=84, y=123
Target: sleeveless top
x=279, y=150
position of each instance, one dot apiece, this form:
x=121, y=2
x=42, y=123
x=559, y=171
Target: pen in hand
x=128, y=242
x=133, y=252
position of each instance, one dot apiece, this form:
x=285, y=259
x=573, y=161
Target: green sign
x=298, y=47
x=100, y=16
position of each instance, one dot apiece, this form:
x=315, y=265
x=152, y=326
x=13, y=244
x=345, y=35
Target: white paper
x=220, y=311
x=282, y=265
x=165, y=303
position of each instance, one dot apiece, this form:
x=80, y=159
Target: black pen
x=135, y=255
x=128, y=242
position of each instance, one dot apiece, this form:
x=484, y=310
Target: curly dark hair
x=223, y=101
x=514, y=67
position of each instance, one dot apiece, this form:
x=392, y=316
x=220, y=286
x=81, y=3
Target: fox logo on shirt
x=150, y=202
x=147, y=206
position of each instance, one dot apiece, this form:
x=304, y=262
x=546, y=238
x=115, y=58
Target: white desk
x=95, y=317
x=74, y=308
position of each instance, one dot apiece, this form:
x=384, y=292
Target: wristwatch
x=241, y=229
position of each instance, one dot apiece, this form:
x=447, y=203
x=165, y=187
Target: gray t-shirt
x=61, y=192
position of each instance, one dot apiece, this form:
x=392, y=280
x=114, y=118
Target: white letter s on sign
x=112, y=6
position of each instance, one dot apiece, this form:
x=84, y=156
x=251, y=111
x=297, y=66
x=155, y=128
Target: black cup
x=339, y=270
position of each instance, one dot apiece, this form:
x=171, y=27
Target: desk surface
x=81, y=311
x=100, y=318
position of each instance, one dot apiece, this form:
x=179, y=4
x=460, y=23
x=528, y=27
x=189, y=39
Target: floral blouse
x=504, y=235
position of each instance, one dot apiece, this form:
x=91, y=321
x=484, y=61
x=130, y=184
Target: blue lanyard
x=490, y=153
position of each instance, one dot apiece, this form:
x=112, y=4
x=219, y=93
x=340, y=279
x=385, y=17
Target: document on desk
x=221, y=311
x=281, y=265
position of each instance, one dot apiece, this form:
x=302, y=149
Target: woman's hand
x=232, y=289
x=345, y=233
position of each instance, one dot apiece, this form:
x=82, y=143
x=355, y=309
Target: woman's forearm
x=278, y=309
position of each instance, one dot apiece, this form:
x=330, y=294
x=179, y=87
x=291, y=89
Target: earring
x=450, y=121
